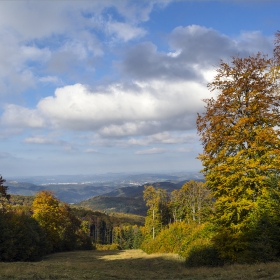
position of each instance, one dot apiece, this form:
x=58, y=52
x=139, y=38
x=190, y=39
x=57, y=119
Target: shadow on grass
x=127, y=264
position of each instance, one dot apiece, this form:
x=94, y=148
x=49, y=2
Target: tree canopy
x=4, y=196
x=240, y=135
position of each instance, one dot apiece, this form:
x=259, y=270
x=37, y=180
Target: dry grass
x=128, y=264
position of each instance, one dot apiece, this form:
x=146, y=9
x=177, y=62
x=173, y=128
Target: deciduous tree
x=241, y=140
x=61, y=225
x=191, y=203
x=157, y=215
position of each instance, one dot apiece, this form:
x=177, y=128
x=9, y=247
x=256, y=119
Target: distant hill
x=126, y=199
x=112, y=204
x=67, y=192
x=77, y=188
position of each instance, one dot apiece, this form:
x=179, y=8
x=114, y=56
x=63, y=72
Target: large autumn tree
x=241, y=146
x=62, y=227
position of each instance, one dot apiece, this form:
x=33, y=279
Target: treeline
x=48, y=226
x=31, y=227
x=186, y=222
x=180, y=222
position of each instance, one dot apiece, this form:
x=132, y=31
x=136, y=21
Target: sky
x=115, y=86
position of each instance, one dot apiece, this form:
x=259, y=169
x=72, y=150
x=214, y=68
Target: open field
x=128, y=264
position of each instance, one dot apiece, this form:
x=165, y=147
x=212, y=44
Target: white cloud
x=68, y=32
x=162, y=138
x=165, y=94
x=15, y=73
x=151, y=151
x=194, y=50
x=49, y=140
x=254, y=42
x=115, y=110
x=34, y=53
x=17, y=116
x=124, y=31
x=51, y=80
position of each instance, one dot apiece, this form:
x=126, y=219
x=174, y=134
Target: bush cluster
x=21, y=238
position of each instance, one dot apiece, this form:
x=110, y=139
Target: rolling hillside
x=126, y=199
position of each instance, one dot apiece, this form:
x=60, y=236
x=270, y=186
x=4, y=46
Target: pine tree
x=4, y=197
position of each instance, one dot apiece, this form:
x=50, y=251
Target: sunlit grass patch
x=129, y=264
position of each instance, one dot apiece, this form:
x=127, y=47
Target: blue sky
x=115, y=86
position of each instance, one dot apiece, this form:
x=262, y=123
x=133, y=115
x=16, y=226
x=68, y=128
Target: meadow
x=129, y=264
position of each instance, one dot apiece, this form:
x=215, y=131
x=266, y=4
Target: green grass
x=128, y=264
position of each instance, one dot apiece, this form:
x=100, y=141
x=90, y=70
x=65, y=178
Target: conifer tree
x=4, y=197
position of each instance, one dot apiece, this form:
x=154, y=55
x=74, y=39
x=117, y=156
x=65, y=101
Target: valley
x=110, y=192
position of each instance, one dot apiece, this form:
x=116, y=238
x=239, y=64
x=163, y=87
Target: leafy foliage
x=192, y=241
x=241, y=139
x=128, y=237
x=60, y=224
x=21, y=237
x=158, y=212
x=192, y=203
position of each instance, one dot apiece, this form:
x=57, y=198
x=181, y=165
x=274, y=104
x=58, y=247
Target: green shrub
x=169, y=240
x=258, y=241
x=21, y=238
x=192, y=241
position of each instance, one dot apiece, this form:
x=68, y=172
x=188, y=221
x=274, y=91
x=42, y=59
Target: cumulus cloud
x=67, y=30
x=164, y=96
x=124, y=31
x=115, y=110
x=143, y=61
x=193, y=50
x=17, y=116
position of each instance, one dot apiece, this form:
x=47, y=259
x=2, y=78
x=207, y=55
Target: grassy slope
x=129, y=264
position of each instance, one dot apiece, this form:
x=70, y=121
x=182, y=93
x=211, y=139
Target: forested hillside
x=126, y=199
x=76, y=188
